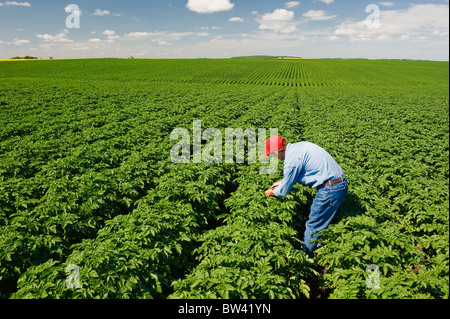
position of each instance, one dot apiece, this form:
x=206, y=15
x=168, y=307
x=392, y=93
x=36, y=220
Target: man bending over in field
x=309, y=164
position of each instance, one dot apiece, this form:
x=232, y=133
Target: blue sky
x=414, y=29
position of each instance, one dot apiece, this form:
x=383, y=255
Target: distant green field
x=91, y=205
x=290, y=72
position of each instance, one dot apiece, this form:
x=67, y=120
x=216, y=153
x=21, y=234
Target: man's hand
x=276, y=185
x=269, y=193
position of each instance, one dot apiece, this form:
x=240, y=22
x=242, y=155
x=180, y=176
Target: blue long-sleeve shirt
x=307, y=164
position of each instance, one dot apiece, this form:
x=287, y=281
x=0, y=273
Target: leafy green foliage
x=86, y=179
x=255, y=254
x=396, y=160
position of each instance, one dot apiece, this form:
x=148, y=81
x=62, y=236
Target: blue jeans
x=325, y=205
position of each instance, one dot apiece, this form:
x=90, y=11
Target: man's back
x=308, y=164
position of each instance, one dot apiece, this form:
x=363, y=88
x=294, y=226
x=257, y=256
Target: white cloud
x=386, y=4
x=20, y=42
x=111, y=34
x=15, y=3
x=443, y=33
x=58, y=38
x=212, y=28
x=279, y=21
x=279, y=15
x=291, y=4
x=209, y=6
x=317, y=15
x=160, y=37
x=327, y=1
x=333, y=38
x=161, y=42
x=236, y=19
x=418, y=23
x=99, y=12
x=137, y=34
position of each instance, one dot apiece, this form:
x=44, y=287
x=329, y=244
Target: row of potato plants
x=256, y=252
x=91, y=162
x=144, y=251
x=84, y=191
x=394, y=152
x=139, y=254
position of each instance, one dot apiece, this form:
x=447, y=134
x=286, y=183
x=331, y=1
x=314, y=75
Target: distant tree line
x=27, y=57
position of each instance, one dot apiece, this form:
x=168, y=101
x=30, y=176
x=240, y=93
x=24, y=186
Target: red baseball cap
x=273, y=143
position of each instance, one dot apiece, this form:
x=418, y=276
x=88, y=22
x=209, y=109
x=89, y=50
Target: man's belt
x=338, y=180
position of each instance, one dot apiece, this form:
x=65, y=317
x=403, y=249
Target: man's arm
x=291, y=174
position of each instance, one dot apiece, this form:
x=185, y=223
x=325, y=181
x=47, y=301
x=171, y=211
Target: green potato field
x=91, y=205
